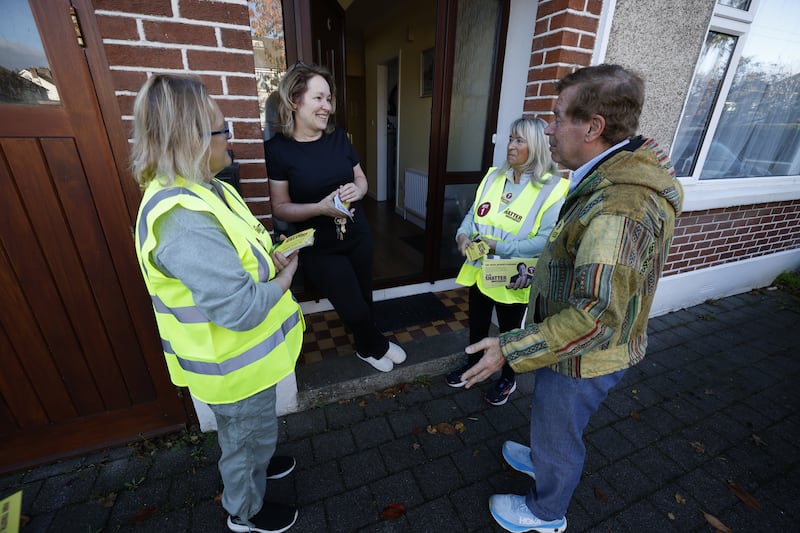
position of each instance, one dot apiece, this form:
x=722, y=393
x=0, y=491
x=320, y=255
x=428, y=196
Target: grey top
x=193, y=247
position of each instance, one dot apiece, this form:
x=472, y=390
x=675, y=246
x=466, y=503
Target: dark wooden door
x=81, y=361
x=327, y=41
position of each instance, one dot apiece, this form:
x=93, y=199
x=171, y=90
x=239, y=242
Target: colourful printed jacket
x=597, y=276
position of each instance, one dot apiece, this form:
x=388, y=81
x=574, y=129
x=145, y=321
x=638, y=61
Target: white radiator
x=416, y=192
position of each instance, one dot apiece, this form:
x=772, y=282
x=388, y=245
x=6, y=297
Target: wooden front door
x=81, y=362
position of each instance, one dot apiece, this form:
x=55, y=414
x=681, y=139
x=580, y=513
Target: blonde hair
x=293, y=86
x=539, y=162
x=172, y=122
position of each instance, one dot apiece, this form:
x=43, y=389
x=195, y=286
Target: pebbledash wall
x=720, y=247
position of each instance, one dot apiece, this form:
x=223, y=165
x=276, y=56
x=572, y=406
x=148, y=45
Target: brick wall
x=718, y=236
x=564, y=39
x=207, y=38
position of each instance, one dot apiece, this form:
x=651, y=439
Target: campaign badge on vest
x=484, y=209
x=506, y=199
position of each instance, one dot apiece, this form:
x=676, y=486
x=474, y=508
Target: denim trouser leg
x=247, y=432
x=560, y=409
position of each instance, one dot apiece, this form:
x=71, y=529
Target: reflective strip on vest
x=529, y=221
x=185, y=315
x=253, y=355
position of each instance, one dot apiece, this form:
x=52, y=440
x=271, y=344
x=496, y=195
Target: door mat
x=399, y=313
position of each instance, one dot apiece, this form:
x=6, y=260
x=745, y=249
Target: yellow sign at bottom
x=10, y=509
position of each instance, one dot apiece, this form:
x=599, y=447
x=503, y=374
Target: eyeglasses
x=226, y=132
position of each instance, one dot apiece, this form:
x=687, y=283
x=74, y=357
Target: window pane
x=744, y=5
x=759, y=129
x=269, y=55
x=24, y=71
x=476, y=39
x=711, y=68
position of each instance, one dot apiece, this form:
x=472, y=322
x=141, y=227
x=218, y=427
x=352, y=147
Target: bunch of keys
x=341, y=228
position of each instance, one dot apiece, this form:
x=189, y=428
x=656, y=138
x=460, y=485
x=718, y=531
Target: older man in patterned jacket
x=592, y=289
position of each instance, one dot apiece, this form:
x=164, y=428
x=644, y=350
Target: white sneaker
x=395, y=354
x=511, y=512
x=384, y=364
x=518, y=457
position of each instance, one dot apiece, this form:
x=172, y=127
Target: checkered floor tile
x=325, y=335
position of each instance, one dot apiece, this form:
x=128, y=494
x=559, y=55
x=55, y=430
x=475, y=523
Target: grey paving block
x=361, y=468
x=81, y=517
x=173, y=520
x=440, y=410
x=476, y=462
x=471, y=401
x=305, y=424
x=435, y=516
x=381, y=406
x=628, y=481
x=343, y=414
x=333, y=444
x=472, y=503
x=310, y=518
x=437, y=478
x=439, y=444
x=145, y=500
x=370, y=433
x=397, y=488
x=317, y=483
x=202, y=484
x=642, y=516
x=402, y=454
x=113, y=475
x=415, y=394
x=507, y=417
x=611, y=443
x=680, y=449
x=65, y=489
x=711, y=494
x=682, y=409
x=351, y=510
x=598, y=498
x=656, y=466
x=171, y=462
x=407, y=422
x=671, y=500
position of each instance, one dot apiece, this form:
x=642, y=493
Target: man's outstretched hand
x=491, y=362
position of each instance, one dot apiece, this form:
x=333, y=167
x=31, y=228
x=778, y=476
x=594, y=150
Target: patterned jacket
x=596, y=278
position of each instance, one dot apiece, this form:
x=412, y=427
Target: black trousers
x=509, y=316
x=342, y=272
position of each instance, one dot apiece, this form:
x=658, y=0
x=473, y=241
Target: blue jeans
x=560, y=409
x=247, y=432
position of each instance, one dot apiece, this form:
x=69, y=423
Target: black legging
x=342, y=271
x=509, y=316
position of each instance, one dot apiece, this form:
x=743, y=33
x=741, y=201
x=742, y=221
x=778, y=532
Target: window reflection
x=25, y=76
x=744, y=5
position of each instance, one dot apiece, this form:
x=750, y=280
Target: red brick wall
x=718, y=236
x=205, y=37
x=564, y=38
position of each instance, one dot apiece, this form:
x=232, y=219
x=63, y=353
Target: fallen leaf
x=23, y=520
x=698, y=447
x=476, y=453
x=718, y=526
x=680, y=499
x=218, y=498
x=362, y=403
x=600, y=496
x=708, y=392
x=460, y=427
x=747, y=498
x=432, y=430
x=634, y=391
x=393, y=511
x=145, y=514
x=417, y=430
x=416, y=446
x=108, y=500
x=446, y=428
x=636, y=416
x=758, y=441
x=671, y=516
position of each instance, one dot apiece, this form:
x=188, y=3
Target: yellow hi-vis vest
x=520, y=220
x=218, y=365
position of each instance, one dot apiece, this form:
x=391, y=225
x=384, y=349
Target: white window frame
x=720, y=193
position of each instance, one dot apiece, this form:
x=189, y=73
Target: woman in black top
x=309, y=164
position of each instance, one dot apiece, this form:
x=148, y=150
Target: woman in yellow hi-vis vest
x=229, y=325
x=515, y=209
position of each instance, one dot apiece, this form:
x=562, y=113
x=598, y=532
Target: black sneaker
x=272, y=518
x=499, y=393
x=454, y=378
x=280, y=466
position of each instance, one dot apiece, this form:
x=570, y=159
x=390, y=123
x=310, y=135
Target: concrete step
x=346, y=377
